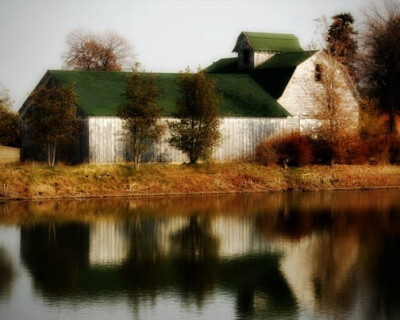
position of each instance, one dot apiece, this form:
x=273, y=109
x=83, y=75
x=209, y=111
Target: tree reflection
x=7, y=273
x=142, y=271
x=324, y=253
x=195, y=252
x=380, y=279
x=55, y=255
x=259, y=286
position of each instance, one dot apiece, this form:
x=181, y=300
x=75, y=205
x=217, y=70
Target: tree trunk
x=54, y=153
x=51, y=153
x=392, y=119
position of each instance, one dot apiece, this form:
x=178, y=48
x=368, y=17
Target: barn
x=265, y=91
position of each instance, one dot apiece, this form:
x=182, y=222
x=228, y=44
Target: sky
x=167, y=35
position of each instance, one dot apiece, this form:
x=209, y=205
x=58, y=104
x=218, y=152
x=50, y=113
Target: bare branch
x=107, y=51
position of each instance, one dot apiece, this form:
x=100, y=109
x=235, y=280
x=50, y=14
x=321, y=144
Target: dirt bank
x=34, y=181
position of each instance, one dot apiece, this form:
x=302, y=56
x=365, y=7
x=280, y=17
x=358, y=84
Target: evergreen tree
x=341, y=41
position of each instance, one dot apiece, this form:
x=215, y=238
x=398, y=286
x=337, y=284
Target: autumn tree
x=9, y=122
x=140, y=114
x=197, y=128
x=107, y=51
x=52, y=118
x=381, y=63
x=334, y=111
x=341, y=42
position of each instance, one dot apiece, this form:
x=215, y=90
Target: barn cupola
x=254, y=48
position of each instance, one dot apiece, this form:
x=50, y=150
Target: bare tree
x=107, y=51
x=332, y=89
x=381, y=63
x=337, y=119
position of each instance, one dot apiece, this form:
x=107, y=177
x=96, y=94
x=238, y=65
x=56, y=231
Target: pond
x=325, y=255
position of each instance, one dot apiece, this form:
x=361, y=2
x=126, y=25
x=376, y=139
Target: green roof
x=100, y=93
x=275, y=42
x=285, y=60
x=226, y=65
x=273, y=75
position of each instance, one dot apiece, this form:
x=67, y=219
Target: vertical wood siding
x=240, y=137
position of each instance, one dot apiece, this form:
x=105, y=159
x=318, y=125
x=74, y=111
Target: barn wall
x=261, y=56
x=240, y=136
x=298, y=97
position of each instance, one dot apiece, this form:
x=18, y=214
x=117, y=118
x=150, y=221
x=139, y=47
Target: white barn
x=266, y=91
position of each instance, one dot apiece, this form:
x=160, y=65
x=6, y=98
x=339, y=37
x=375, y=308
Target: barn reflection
x=292, y=254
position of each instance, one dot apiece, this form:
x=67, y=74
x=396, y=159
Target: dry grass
x=35, y=181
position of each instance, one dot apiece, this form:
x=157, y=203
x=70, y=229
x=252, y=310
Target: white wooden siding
x=240, y=137
x=298, y=96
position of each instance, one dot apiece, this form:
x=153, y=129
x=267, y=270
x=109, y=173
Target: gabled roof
x=272, y=42
x=100, y=93
x=273, y=75
x=285, y=60
x=225, y=65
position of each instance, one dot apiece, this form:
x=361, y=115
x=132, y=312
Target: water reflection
x=55, y=254
x=7, y=273
x=281, y=256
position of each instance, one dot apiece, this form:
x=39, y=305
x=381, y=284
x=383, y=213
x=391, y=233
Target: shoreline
x=39, y=182
x=191, y=194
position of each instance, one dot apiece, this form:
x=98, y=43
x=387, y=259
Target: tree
x=107, y=51
x=336, y=119
x=381, y=63
x=140, y=114
x=341, y=41
x=9, y=122
x=52, y=118
x=197, y=130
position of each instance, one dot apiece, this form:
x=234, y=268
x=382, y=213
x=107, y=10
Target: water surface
x=331, y=255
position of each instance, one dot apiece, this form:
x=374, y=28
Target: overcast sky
x=167, y=35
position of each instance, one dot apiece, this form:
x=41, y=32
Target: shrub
x=351, y=150
x=394, y=150
x=299, y=150
x=376, y=149
x=321, y=150
x=293, y=149
x=266, y=153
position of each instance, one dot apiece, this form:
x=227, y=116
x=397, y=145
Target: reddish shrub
x=394, y=150
x=377, y=149
x=293, y=149
x=266, y=153
x=351, y=150
x=299, y=150
x=322, y=151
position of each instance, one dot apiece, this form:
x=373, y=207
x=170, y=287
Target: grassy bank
x=33, y=181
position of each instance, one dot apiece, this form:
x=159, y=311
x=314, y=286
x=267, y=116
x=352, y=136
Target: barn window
x=318, y=72
x=246, y=56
